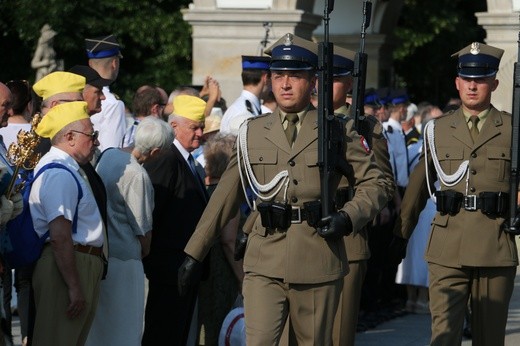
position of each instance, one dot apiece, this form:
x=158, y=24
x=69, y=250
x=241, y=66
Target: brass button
x=294, y=199
x=295, y=182
x=473, y=155
x=261, y=158
x=472, y=189
x=291, y=163
x=473, y=172
x=447, y=155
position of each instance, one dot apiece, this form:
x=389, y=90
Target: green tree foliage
x=156, y=41
x=428, y=33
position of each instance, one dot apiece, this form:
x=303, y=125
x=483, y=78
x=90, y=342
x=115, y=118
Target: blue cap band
x=255, y=65
x=341, y=62
x=399, y=99
x=293, y=57
x=477, y=65
x=103, y=53
x=372, y=99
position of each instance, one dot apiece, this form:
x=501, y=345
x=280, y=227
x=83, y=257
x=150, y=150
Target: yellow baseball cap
x=59, y=82
x=60, y=116
x=189, y=107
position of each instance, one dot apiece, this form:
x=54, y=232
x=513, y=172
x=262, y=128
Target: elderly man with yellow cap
x=293, y=265
x=59, y=87
x=470, y=254
x=180, y=199
x=67, y=275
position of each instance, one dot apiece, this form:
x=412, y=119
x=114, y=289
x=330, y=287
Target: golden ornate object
x=23, y=154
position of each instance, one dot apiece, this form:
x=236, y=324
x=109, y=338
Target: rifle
x=326, y=141
x=513, y=225
x=360, y=69
x=263, y=44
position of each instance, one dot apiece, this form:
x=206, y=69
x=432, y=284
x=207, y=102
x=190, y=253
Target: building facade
x=223, y=30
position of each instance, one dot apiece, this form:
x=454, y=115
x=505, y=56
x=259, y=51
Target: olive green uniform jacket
x=297, y=255
x=357, y=243
x=469, y=238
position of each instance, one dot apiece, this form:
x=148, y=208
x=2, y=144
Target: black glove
x=397, y=250
x=514, y=226
x=335, y=226
x=240, y=245
x=189, y=274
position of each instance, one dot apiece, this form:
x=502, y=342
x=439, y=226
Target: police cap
x=102, y=47
x=398, y=96
x=92, y=76
x=250, y=62
x=343, y=61
x=478, y=60
x=371, y=98
x=291, y=53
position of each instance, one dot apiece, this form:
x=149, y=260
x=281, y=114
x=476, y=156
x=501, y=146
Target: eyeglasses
x=94, y=135
x=66, y=101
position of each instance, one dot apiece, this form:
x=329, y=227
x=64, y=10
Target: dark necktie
x=474, y=127
x=193, y=167
x=290, y=131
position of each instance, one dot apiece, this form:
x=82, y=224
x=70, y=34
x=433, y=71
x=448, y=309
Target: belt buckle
x=470, y=202
x=296, y=215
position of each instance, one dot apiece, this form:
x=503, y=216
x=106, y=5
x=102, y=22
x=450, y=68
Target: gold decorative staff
x=23, y=154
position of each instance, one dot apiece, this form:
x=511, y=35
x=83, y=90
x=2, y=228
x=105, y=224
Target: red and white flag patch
x=364, y=144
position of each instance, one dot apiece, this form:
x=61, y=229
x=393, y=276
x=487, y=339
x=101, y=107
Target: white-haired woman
x=130, y=203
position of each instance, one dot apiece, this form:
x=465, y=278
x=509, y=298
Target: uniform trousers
x=345, y=322
x=52, y=326
x=268, y=302
x=490, y=288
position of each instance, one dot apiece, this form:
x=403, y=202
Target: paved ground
x=414, y=330
x=409, y=330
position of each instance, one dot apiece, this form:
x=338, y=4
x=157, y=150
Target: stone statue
x=44, y=59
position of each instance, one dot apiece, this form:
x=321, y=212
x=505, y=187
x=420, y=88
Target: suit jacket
x=469, y=238
x=299, y=254
x=179, y=203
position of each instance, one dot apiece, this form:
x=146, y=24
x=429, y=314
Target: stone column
x=502, y=28
x=223, y=30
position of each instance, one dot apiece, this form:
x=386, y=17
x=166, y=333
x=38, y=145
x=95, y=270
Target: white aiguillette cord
x=242, y=155
x=446, y=179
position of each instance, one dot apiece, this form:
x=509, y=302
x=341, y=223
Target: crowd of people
x=161, y=215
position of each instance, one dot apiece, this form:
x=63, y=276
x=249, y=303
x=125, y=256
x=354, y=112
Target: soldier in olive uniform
x=468, y=253
x=356, y=244
x=291, y=268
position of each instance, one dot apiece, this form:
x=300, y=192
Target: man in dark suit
x=180, y=199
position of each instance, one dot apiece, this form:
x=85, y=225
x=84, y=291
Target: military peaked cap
x=343, y=61
x=478, y=60
x=293, y=53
